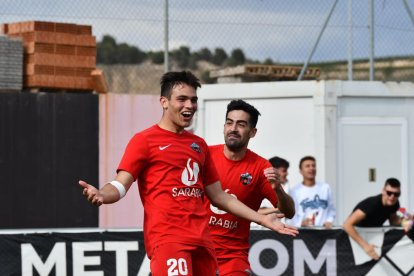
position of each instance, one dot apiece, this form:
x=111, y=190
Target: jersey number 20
x=177, y=267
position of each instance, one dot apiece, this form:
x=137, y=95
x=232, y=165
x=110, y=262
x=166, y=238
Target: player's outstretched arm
x=230, y=204
x=267, y=211
x=110, y=192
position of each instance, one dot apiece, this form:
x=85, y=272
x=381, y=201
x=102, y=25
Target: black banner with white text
x=312, y=252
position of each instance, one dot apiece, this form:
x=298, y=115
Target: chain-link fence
x=325, y=32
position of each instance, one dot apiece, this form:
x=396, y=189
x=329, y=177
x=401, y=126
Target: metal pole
x=350, y=40
x=372, y=44
x=166, y=65
x=305, y=66
x=407, y=7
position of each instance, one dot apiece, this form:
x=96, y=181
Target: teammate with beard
x=246, y=176
x=174, y=170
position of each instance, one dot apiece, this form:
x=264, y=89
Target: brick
x=84, y=72
x=30, y=26
x=39, y=36
x=85, y=61
x=84, y=83
x=60, y=60
x=85, y=51
x=66, y=28
x=35, y=47
x=40, y=58
x=84, y=30
x=99, y=82
x=65, y=82
x=35, y=69
x=13, y=28
x=36, y=81
x=65, y=71
x=65, y=38
x=3, y=28
x=65, y=49
x=86, y=40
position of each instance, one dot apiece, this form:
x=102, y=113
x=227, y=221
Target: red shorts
x=183, y=259
x=237, y=266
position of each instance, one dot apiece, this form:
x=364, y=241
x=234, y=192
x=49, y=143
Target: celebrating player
x=246, y=176
x=174, y=170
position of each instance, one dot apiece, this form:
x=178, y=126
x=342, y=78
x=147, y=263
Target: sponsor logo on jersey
x=164, y=147
x=246, y=178
x=187, y=192
x=195, y=147
x=220, y=222
x=189, y=177
x=225, y=223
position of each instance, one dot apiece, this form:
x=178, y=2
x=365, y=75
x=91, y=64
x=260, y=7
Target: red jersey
x=245, y=180
x=172, y=170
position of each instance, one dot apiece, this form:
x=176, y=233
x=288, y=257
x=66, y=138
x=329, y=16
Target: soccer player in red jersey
x=174, y=170
x=247, y=177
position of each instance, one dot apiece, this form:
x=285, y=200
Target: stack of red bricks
x=56, y=55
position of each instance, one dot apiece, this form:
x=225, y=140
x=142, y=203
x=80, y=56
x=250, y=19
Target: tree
x=268, y=61
x=156, y=57
x=205, y=54
x=237, y=57
x=219, y=56
x=109, y=52
x=181, y=56
x=106, y=50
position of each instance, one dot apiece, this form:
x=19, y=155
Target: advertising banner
x=99, y=253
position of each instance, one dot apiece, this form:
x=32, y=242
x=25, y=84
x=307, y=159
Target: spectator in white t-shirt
x=313, y=199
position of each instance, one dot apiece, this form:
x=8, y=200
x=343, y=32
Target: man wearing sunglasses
x=373, y=212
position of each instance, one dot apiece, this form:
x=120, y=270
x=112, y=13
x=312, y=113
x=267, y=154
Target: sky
x=284, y=31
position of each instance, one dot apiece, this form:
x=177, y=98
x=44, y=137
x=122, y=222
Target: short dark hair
x=393, y=182
x=248, y=108
x=171, y=79
x=278, y=162
x=308, y=157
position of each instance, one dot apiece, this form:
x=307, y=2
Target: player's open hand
x=273, y=223
x=91, y=193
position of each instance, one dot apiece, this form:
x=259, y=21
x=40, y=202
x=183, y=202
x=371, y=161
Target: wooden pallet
x=269, y=71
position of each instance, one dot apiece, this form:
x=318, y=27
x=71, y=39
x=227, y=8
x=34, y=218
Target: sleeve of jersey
x=135, y=156
x=209, y=171
x=267, y=190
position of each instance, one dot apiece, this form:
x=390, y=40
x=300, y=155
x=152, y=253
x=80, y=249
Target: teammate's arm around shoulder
x=228, y=203
x=111, y=192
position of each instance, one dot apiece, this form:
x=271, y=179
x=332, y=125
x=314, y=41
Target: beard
x=234, y=145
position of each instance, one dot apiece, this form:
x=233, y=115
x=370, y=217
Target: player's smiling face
x=181, y=106
x=237, y=130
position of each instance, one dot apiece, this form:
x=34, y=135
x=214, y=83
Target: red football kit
x=245, y=180
x=172, y=170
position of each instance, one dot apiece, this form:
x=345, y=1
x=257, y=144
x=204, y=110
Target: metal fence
x=294, y=32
